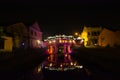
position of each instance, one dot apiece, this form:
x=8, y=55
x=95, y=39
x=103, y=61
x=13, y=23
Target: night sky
x=61, y=17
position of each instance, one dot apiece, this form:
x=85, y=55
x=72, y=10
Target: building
x=90, y=35
x=109, y=38
x=117, y=34
x=5, y=41
x=19, y=34
x=35, y=36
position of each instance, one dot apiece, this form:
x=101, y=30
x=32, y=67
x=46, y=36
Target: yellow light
x=76, y=34
x=81, y=66
x=50, y=42
x=38, y=41
x=74, y=64
x=65, y=55
x=65, y=41
x=79, y=38
x=71, y=63
x=54, y=41
x=73, y=41
x=39, y=69
x=50, y=64
x=61, y=65
x=60, y=41
x=82, y=41
x=70, y=41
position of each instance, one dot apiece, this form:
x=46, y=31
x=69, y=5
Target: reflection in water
x=60, y=72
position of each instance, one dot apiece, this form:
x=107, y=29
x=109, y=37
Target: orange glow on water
x=69, y=50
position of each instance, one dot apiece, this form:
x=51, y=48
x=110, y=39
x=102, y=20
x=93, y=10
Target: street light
x=76, y=33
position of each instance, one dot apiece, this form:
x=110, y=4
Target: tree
x=1, y=32
x=20, y=34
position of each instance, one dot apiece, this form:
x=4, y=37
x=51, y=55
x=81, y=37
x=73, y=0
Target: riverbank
x=19, y=62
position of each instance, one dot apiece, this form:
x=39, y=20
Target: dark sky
x=58, y=17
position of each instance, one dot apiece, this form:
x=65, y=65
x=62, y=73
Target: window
x=35, y=34
x=31, y=32
x=94, y=33
x=1, y=43
x=88, y=33
x=88, y=43
x=98, y=32
x=94, y=41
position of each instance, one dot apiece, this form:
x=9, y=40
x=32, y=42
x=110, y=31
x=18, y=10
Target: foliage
x=1, y=32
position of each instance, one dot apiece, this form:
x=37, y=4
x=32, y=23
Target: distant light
x=82, y=41
x=71, y=63
x=65, y=41
x=75, y=64
x=79, y=38
x=70, y=36
x=50, y=37
x=95, y=44
x=50, y=42
x=73, y=41
x=38, y=41
x=76, y=33
x=60, y=41
x=70, y=41
x=63, y=35
x=61, y=65
x=39, y=69
x=50, y=64
x=54, y=41
x=81, y=66
x=23, y=44
x=45, y=40
x=60, y=50
x=65, y=55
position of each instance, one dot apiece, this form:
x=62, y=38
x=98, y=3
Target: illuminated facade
x=35, y=36
x=109, y=38
x=90, y=35
x=6, y=43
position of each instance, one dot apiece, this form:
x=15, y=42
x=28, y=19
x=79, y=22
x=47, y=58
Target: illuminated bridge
x=59, y=48
x=59, y=63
